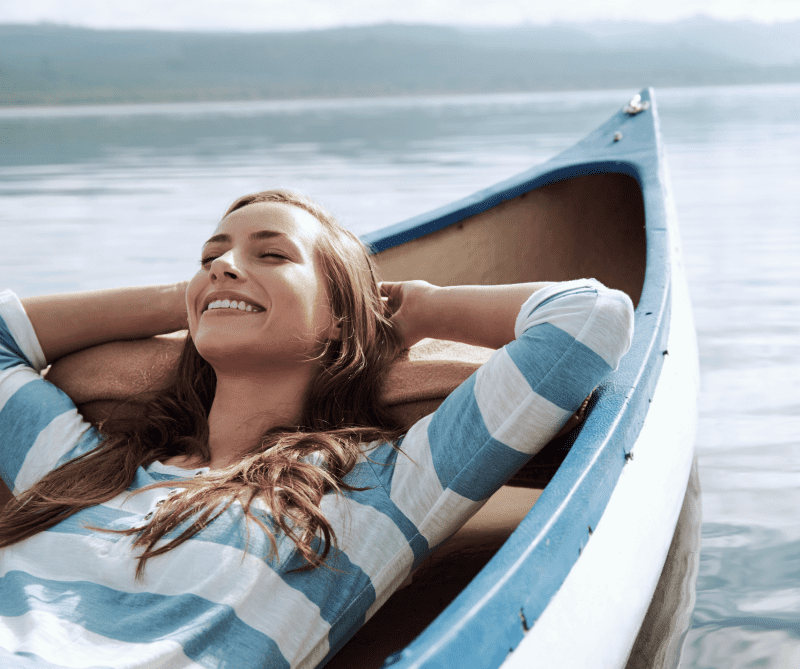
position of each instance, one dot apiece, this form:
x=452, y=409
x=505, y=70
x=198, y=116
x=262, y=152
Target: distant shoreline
x=50, y=65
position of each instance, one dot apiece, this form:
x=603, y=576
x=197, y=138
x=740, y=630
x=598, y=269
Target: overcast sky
x=300, y=14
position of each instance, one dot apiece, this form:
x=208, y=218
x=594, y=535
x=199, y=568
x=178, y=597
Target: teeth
x=241, y=305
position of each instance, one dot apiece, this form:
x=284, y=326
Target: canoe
x=560, y=567
x=574, y=550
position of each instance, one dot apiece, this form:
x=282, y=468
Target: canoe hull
x=604, y=599
x=572, y=584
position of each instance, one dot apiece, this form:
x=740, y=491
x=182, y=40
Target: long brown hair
x=342, y=411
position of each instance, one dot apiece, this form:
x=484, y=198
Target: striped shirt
x=68, y=596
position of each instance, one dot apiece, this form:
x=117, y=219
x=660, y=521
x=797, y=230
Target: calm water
x=110, y=196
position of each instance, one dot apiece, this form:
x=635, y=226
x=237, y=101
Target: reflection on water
x=735, y=159
x=93, y=197
x=663, y=633
x=750, y=580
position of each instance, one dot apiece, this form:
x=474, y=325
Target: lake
x=107, y=196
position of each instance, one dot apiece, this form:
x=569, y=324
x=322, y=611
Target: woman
x=277, y=504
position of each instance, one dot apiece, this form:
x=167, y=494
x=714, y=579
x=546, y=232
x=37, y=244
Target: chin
x=220, y=350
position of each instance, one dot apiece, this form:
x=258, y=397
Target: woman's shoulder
x=18, y=342
x=39, y=424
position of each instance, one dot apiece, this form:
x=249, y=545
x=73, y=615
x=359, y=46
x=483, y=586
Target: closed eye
x=205, y=260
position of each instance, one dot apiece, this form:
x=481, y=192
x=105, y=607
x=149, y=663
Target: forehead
x=297, y=224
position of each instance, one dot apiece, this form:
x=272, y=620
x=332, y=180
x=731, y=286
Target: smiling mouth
x=229, y=306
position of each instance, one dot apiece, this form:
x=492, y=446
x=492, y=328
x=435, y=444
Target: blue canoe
x=592, y=518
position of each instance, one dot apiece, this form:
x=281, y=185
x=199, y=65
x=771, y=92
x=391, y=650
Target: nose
x=225, y=267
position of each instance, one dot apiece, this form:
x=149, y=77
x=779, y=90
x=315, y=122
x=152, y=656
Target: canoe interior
x=587, y=226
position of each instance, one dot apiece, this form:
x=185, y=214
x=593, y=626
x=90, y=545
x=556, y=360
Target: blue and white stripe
x=68, y=597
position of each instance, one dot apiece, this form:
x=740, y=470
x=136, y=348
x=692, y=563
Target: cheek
x=319, y=309
x=192, y=292
x=302, y=292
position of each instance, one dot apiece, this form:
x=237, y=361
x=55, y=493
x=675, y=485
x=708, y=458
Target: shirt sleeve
x=39, y=425
x=569, y=336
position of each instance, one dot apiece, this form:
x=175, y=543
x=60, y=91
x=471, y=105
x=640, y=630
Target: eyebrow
x=255, y=236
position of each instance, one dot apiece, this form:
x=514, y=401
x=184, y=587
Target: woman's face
x=263, y=257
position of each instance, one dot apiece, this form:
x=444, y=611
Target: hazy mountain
x=49, y=64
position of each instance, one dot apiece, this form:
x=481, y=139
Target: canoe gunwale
x=489, y=618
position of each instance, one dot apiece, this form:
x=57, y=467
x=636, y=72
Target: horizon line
x=700, y=16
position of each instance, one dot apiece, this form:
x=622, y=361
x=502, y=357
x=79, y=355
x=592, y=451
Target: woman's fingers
x=391, y=293
x=389, y=288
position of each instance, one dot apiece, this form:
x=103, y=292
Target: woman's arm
x=117, y=370
x=477, y=315
x=567, y=337
x=71, y=322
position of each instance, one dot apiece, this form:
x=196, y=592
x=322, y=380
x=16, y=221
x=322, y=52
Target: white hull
x=594, y=618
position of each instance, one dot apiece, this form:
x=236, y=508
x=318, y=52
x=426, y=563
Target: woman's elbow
x=615, y=318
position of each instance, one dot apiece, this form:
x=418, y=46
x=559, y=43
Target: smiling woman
x=263, y=255
x=273, y=498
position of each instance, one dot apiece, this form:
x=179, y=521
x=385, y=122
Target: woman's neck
x=246, y=406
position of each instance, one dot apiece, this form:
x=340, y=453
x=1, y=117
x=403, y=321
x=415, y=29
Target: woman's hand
x=408, y=303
